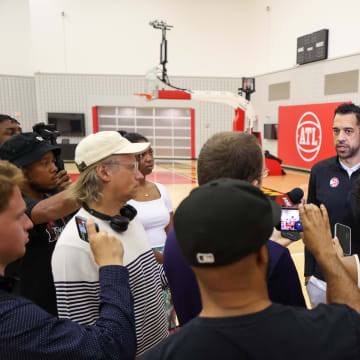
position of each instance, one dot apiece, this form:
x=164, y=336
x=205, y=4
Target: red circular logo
x=308, y=136
x=334, y=182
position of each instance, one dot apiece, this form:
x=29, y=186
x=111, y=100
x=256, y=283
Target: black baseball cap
x=224, y=221
x=25, y=149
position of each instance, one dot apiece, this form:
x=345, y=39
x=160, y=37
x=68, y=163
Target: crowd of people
x=236, y=293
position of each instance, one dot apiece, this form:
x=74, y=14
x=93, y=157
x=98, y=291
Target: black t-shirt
x=278, y=332
x=34, y=269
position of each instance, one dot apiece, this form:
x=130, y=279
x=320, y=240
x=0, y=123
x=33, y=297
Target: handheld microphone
x=295, y=195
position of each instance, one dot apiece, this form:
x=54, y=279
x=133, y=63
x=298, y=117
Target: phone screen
x=290, y=219
x=81, y=226
x=343, y=233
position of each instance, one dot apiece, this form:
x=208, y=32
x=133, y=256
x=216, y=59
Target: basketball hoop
x=148, y=96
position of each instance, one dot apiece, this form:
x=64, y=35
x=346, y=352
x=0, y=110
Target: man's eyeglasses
x=130, y=165
x=266, y=172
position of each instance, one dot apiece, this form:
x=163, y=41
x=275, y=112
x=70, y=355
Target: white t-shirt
x=155, y=216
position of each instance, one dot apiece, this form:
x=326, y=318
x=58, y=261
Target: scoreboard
x=312, y=47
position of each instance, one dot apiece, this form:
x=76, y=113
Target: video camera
x=49, y=133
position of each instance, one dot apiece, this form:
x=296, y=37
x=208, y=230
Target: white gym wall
x=15, y=38
x=229, y=38
x=68, y=43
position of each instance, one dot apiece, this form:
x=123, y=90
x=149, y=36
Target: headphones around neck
x=120, y=222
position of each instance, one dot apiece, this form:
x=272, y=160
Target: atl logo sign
x=308, y=136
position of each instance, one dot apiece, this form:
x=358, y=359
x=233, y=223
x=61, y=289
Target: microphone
x=295, y=195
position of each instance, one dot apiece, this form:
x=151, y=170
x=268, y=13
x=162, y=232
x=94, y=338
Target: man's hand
x=317, y=235
x=63, y=180
x=158, y=256
x=341, y=288
x=276, y=237
x=107, y=249
x=339, y=250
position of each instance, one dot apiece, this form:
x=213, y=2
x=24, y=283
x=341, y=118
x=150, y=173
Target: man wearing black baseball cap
x=35, y=157
x=222, y=228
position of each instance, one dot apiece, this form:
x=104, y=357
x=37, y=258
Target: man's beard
x=352, y=152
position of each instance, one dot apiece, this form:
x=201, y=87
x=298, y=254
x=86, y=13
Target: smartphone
x=343, y=233
x=290, y=219
x=81, y=226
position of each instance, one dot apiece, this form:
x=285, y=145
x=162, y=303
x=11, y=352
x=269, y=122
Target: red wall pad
x=239, y=121
x=274, y=167
x=95, y=119
x=305, y=134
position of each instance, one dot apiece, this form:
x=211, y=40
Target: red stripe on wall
x=193, y=133
x=95, y=119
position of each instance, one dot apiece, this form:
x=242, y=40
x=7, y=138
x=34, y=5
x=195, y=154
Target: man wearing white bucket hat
x=108, y=179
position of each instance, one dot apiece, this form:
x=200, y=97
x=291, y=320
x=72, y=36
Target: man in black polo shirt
x=36, y=159
x=331, y=182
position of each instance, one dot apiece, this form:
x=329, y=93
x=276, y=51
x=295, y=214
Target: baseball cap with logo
x=96, y=147
x=25, y=149
x=224, y=221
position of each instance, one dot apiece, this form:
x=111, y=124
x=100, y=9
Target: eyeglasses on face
x=130, y=165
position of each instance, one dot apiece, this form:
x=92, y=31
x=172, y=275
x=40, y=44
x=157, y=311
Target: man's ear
x=255, y=182
x=103, y=172
x=263, y=256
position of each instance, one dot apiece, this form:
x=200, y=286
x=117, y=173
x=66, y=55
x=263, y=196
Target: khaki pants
x=316, y=289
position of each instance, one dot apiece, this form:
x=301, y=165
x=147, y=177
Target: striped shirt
x=76, y=277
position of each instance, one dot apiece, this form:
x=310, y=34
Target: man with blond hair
x=29, y=332
x=108, y=179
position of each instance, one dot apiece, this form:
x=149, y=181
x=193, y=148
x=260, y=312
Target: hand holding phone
x=81, y=226
x=107, y=249
x=63, y=180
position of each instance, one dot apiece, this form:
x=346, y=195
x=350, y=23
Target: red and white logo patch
x=308, y=136
x=334, y=182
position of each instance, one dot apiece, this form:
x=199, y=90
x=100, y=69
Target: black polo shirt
x=330, y=185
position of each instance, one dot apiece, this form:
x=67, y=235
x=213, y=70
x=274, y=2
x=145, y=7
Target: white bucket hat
x=96, y=147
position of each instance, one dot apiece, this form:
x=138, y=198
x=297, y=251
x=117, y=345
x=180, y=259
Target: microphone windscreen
x=295, y=195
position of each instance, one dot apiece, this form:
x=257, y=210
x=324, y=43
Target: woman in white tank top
x=155, y=212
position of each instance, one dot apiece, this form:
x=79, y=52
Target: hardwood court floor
x=179, y=177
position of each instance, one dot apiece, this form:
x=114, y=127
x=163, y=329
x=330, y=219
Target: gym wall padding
x=17, y=95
